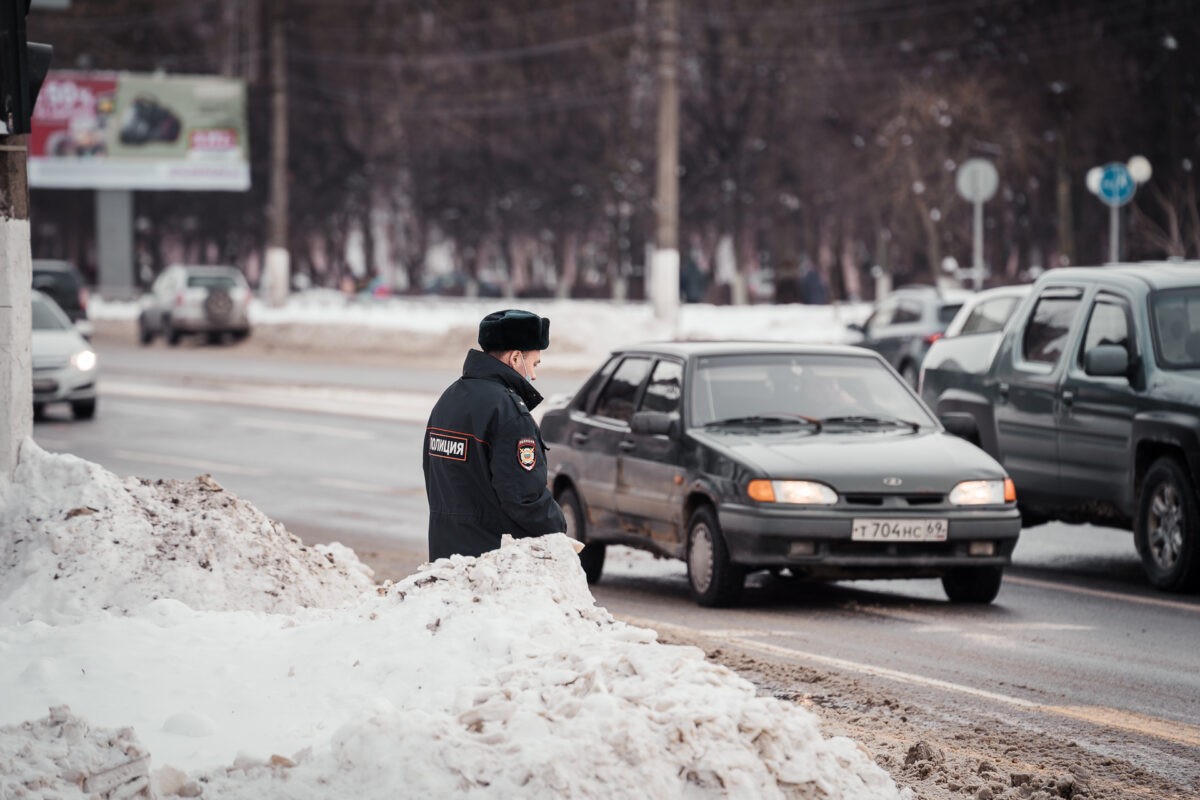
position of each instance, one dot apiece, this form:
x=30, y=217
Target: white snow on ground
x=247, y=666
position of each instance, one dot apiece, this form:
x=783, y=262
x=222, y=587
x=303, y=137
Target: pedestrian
x=484, y=461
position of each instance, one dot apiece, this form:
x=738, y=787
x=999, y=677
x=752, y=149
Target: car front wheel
x=591, y=558
x=973, y=584
x=1168, y=528
x=714, y=579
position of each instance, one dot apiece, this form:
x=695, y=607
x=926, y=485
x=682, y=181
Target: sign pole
x=977, y=246
x=1114, y=234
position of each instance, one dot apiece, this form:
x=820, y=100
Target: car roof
x=1152, y=275
x=694, y=349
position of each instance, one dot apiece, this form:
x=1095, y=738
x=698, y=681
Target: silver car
x=64, y=364
x=209, y=300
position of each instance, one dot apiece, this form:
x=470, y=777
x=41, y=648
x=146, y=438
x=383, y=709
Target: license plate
x=899, y=530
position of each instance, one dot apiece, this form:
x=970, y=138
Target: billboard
x=110, y=130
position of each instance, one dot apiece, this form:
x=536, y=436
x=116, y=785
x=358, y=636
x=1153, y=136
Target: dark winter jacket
x=484, y=462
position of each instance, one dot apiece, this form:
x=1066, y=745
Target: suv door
x=597, y=436
x=648, y=496
x=1026, y=392
x=1096, y=412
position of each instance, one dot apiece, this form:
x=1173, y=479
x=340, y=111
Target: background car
x=63, y=283
x=209, y=300
x=969, y=340
x=737, y=457
x=64, y=365
x=904, y=324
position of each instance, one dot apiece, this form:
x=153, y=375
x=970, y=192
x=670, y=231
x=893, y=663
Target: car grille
x=922, y=499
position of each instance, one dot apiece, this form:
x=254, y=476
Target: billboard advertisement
x=110, y=130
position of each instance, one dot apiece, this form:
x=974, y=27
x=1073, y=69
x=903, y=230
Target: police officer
x=484, y=461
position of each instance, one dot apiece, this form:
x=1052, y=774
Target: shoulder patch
x=527, y=453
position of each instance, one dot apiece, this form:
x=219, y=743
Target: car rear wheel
x=83, y=409
x=1167, y=532
x=910, y=373
x=592, y=555
x=973, y=584
x=173, y=336
x=714, y=579
x=145, y=335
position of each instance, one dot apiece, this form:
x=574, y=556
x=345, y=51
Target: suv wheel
x=910, y=373
x=973, y=584
x=1167, y=531
x=591, y=558
x=715, y=580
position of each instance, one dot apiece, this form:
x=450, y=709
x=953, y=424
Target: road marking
x=393, y=406
x=1168, y=730
x=303, y=427
x=188, y=463
x=1130, y=598
x=356, y=486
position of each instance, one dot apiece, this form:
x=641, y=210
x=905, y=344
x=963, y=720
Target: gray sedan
x=818, y=462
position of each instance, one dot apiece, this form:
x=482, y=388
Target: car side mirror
x=1106, y=360
x=960, y=424
x=655, y=423
x=857, y=327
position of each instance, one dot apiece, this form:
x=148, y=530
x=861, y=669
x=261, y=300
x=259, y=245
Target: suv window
x=1109, y=324
x=1046, y=333
x=211, y=282
x=616, y=401
x=1176, y=324
x=665, y=388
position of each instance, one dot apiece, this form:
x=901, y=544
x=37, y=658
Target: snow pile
x=60, y=756
x=490, y=677
x=74, y=539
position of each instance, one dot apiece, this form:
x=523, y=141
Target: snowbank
x=489, y=677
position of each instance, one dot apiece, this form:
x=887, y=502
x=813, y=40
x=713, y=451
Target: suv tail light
x=179, y=299
x=933, y=337
x=83, y=297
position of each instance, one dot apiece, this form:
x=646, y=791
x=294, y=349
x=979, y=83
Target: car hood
x=55, y=347
x=859, y=461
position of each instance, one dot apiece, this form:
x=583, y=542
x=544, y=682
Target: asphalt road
x=332, y=449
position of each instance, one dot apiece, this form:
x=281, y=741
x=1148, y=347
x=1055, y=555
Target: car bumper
x=761, y=537
x=188, y=320
x=63, y=385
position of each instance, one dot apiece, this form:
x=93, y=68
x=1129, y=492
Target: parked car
x=904, y=324
x=1090, y=398
x=62, y=281
x=64, y=364
x=737, y=457
x=209, y=300
x=958, y=350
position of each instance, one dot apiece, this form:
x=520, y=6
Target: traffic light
x=23, y=67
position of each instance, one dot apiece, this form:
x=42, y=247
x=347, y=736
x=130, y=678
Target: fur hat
x=513, y=329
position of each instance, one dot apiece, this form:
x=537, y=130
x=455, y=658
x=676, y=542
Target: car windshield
x=211, y=282
x=843, y=389
x=1176, y=321
x=47, y=318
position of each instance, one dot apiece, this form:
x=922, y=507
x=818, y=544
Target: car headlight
x=84, y=361
x=983, y=493
x=796, y=492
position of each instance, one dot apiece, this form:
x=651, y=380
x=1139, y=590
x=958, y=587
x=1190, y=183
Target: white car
x=213, y=301
x=64, y=364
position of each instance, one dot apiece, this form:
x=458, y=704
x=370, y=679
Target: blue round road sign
x=1116, y=184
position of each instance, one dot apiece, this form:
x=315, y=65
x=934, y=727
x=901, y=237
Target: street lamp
x=1115, y=184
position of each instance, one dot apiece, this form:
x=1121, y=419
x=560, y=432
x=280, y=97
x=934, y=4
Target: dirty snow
x=248, y=666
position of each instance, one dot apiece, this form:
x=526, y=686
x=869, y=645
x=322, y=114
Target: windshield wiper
x=864, y=421
x=767, y=419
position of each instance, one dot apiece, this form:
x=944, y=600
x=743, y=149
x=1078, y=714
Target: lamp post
x=1115, y=184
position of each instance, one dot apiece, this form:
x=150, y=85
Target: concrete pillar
x=16, y=369
x=114, y=244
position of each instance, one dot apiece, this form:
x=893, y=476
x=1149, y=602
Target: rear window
x=989, y=316
x=212, y=282
x=947, y=312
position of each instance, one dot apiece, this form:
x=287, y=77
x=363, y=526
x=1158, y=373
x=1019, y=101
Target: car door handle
x=1002, y=390
x=579, y=438
x=627, y=445
x=1068, y=397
